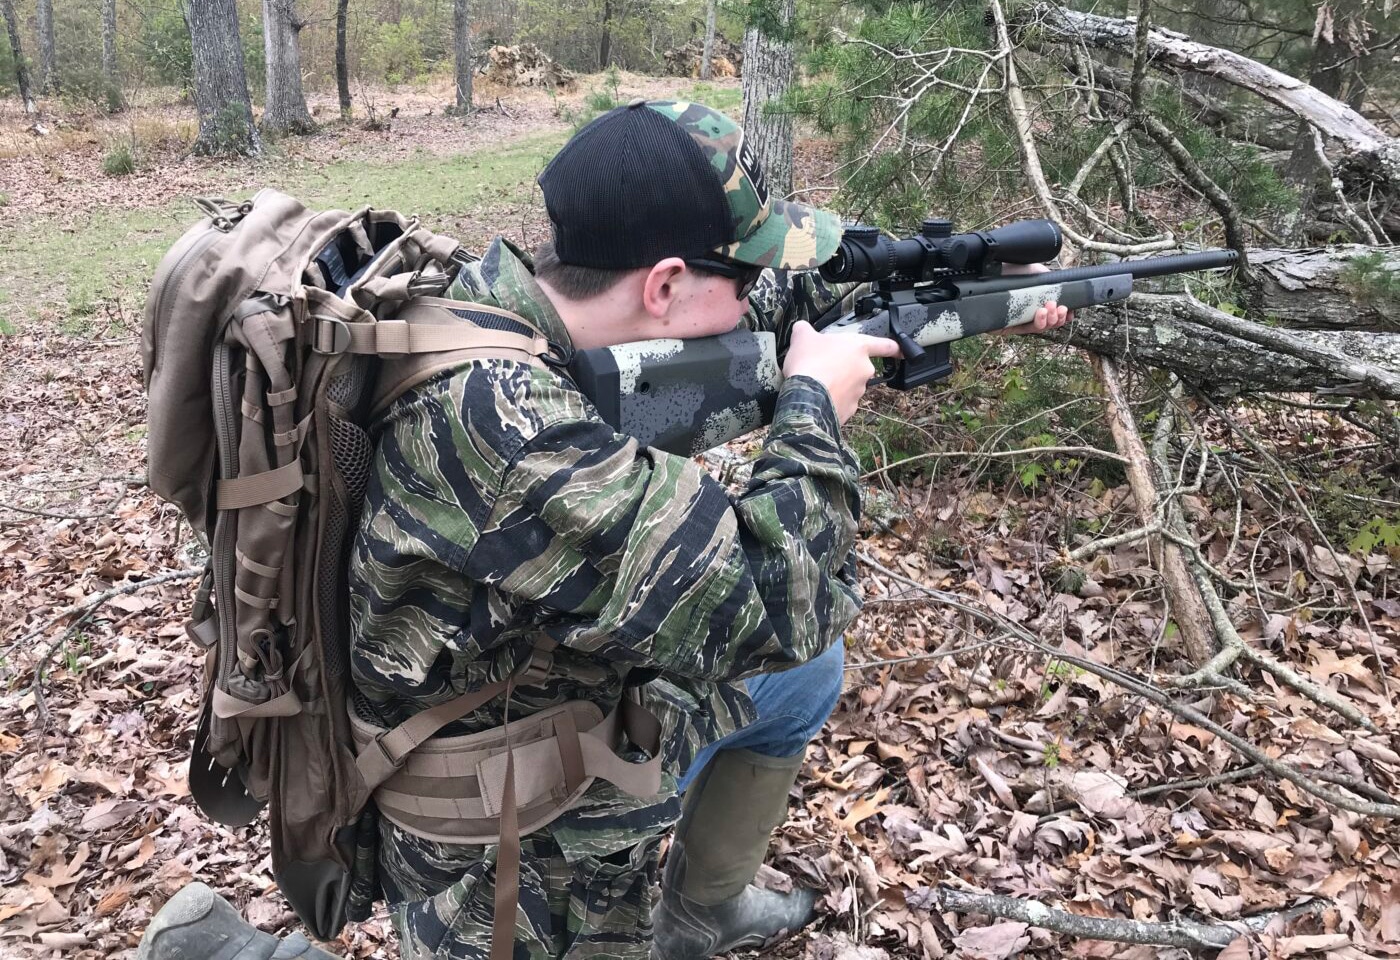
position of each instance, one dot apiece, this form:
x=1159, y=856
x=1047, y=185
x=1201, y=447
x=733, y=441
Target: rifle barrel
x=1150, y=267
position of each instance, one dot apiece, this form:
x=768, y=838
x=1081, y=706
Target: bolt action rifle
x=687, y=396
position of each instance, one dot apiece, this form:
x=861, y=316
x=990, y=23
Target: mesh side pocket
x=346, y=389
x=351, y=450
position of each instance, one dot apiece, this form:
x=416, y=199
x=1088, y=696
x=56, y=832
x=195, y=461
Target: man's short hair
x=575, y=283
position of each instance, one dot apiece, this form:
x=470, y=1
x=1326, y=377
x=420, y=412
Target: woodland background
x=1125, y=685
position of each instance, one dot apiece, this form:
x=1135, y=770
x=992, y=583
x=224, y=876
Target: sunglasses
x=745, y=274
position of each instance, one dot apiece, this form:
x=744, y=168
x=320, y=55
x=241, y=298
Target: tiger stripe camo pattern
x=500, y=506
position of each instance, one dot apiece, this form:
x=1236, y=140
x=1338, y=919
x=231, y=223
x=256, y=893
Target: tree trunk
x=109, y=40
x=220, y=80
x=109, y=55
x=48, y=73
x=769, y=67
x=462, y=48
x=286, y=111
x=7, y=8
x=342, y=66
x=1373, y=152
x=605, y=41
x=1304, y=166
x=708, y=51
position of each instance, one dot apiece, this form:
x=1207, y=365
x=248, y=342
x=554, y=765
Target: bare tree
x=605, y=41
x=48, y=75
x=7, y=7
x=220, y=79
x=342, y=68
x=109, y=54
x=462, y=47
x=708, y=51
x=769, y=68
x=285, y=111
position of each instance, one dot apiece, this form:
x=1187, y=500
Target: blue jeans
x=792, y=706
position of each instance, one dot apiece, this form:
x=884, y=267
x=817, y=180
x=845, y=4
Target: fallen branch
x=1233, y=648
x=1183, y=933
x=1195, y=175
x=46, y=511
x=1363, y=230
x=1385, y=383
x=1203, y=345
x=1108, y=543
x=1258, y=448
x=92, y=603
x=1231, y=776
x=1190, y=613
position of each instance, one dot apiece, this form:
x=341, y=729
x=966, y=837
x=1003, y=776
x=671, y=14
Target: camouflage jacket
x=501, y=506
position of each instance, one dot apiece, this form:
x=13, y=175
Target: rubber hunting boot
x=198, y=924
x=709, y=904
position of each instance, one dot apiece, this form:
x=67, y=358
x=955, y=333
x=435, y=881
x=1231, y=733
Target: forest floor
x=958, y=756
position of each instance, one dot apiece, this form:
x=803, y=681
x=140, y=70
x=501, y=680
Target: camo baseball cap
x=661, y=178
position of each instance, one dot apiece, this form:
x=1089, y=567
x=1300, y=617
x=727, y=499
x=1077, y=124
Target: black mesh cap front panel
x=633, y=188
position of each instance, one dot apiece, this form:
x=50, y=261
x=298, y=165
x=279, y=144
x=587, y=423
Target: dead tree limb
x=85, y=612
x=1303, y=510
x=1203, y=345
x=1181, y=932
x=1190, y=613
x=90, y=605
x=1192, y=173
x=1176, y=51
x=1030, y=157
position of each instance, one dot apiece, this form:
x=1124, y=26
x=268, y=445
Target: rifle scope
x=865, y=254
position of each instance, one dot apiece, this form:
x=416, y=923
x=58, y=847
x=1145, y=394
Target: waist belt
x=452, y=789
x=492, y=786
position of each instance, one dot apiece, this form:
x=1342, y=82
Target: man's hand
x=839, y=363
x=1048, y=317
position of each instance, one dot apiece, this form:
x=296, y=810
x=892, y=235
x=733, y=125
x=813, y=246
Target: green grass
x=726, y=99
x=114, y=252
x=427, y=185
x=119, y=161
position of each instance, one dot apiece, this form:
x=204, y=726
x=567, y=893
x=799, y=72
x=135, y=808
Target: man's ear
x=662, y=286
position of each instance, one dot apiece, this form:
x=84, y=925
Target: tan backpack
x=271, y=334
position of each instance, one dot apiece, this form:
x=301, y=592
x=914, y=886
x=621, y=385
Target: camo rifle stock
x=687, y=396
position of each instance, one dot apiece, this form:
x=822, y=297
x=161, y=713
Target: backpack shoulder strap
x=429, y=335
x=427, y=327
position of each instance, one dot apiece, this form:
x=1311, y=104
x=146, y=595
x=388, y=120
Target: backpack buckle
x=536, y=670
x=379, y=759
x=332, y=336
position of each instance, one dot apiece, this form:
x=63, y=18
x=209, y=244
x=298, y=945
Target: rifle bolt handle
x=907, y=346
